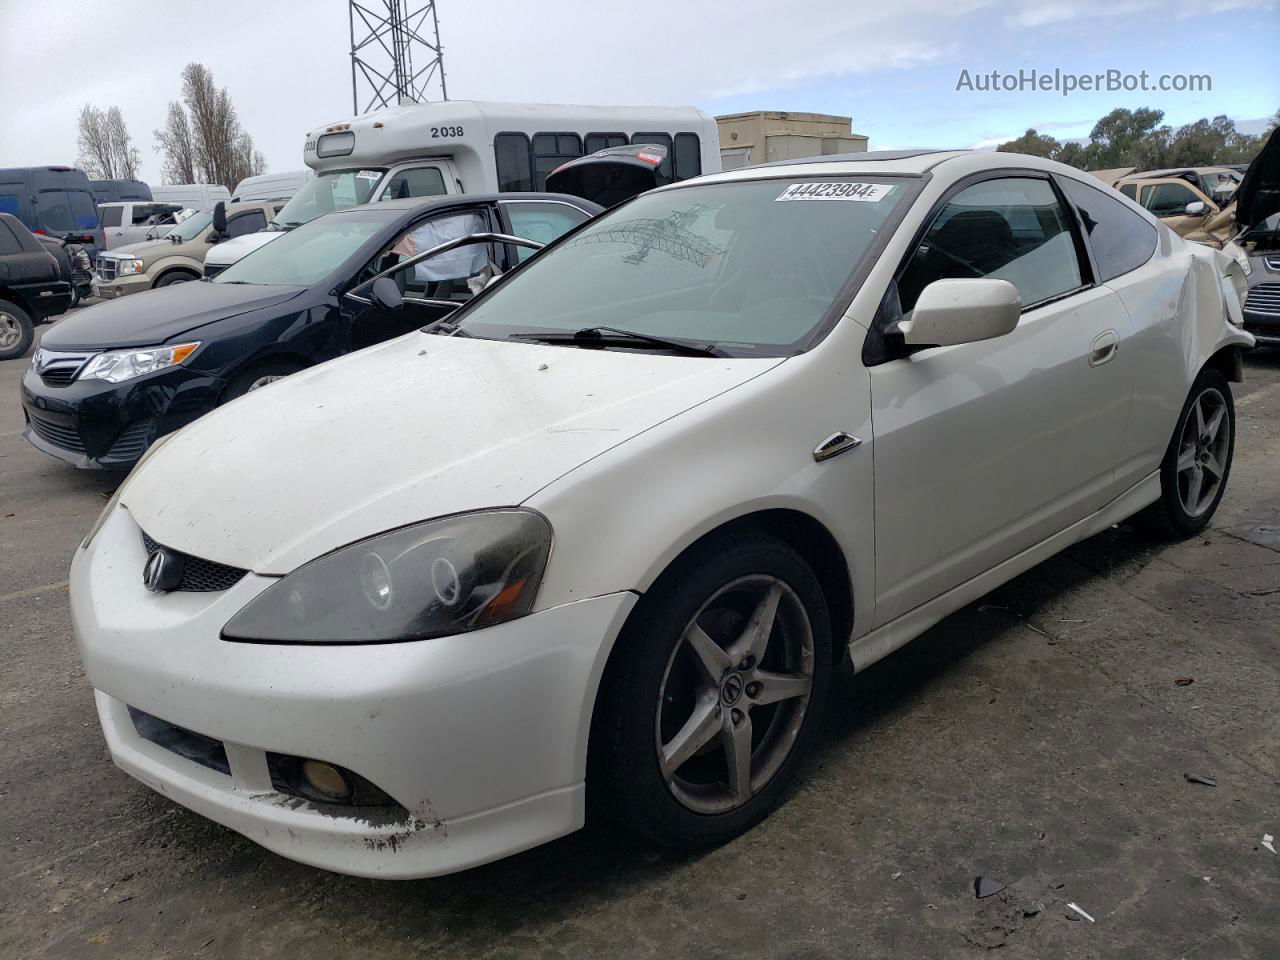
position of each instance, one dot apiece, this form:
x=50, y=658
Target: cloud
x=1030, y=15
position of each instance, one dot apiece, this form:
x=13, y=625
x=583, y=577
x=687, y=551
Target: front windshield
x=750, y=266
x=308, y=254
x=327, y=192
x=191, y=227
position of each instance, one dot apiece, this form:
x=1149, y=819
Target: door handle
x=1104, y=347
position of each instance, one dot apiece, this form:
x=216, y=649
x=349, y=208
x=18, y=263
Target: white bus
x=466, y=146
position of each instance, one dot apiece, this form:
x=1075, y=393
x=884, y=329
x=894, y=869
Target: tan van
x=178, y=256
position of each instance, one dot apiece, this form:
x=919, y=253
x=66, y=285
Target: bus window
x=688, y=161
x=664, y=171
x=602, y=141
x=549, y=151
x=414, y=182
x=511, y=152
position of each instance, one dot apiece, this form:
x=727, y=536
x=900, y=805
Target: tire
x=258, y=376
x=656, y=687
x=16, y=331
x=1202, y=447
x=178, y=276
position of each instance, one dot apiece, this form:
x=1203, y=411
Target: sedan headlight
x=128, y=265
x=115, y=366
x=431, y=579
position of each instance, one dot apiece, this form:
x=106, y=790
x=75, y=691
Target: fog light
x=325, y=779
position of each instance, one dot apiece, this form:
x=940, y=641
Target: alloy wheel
x=263, y=381
x=10, y=331
x=1203, y=448
x=734, y=694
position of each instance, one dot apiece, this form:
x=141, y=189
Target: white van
x=271, y=186
x=468, y=146
x=197, y=196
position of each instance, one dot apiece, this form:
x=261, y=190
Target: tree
x=1032, y=143
x=202, y=139
x=1125, y=138
x=106, y=149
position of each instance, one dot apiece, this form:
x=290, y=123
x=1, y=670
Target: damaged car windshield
x=748, y=266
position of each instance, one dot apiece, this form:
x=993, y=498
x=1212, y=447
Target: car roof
x=454, y=199
x=910, y=163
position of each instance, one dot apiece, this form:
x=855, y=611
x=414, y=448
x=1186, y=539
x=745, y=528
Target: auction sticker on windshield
x=840, y=190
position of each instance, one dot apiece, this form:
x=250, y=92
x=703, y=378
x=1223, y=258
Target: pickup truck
x=31, y=287
x=178, y=256
x=132, y=221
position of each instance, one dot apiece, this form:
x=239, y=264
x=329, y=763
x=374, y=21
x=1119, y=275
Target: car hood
x=142, y=249
x=419, y=427
x=1258, y=195
x=229, y=251
x=155, y=316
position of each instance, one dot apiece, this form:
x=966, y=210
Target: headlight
x=116, y=366
x=124, y=266
x=432, y=579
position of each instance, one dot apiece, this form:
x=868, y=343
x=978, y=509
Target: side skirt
x=888, y=637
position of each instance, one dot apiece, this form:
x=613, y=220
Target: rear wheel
x=714, y=694
x=16, y=331
x=1193, y=474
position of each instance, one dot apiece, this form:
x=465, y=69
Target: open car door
x=1258, y=195
x=611, y=175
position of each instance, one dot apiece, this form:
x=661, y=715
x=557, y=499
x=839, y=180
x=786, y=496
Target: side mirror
x=385, y=294
x=219, y=219
x=949, y=312
x=1196, y=208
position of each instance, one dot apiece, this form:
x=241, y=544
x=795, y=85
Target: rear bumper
x=96, y=425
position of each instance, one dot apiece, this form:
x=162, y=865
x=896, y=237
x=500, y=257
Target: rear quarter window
x=1122, y=240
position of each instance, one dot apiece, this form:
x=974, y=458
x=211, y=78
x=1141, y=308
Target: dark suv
x=31, y=287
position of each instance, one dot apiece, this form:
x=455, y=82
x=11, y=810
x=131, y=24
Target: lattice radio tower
x=396, y=55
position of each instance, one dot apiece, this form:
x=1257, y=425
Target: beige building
x=747, y=138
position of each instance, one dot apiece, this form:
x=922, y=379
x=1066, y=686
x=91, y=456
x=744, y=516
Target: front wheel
x=170, y=279
x=16, y=331
x=714, y=693
x=1193, y=474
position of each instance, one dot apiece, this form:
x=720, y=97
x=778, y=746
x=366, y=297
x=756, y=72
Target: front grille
x=132, y=442
x=211, y=270
x=195, y=747
x=199, y=575
x=1264, y=298
x=107, y=268
x=55, y=433
x=1273, y=263
x=59, y=369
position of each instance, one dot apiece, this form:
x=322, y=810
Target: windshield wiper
x=603, y=336
x=445, y=328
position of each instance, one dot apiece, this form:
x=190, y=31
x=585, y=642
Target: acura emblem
x=163, y=571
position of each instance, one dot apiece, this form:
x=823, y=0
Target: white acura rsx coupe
x=608, y=529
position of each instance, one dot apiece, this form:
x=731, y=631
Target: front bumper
x=97, y=425
x=121, y=286
x=480, y=737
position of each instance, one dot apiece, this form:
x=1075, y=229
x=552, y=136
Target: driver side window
x=456, y=274
x=1167, y=199
x=1011, y=229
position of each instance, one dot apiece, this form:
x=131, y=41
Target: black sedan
x=109, y=380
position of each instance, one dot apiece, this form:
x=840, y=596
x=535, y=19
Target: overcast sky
x=892, y=66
